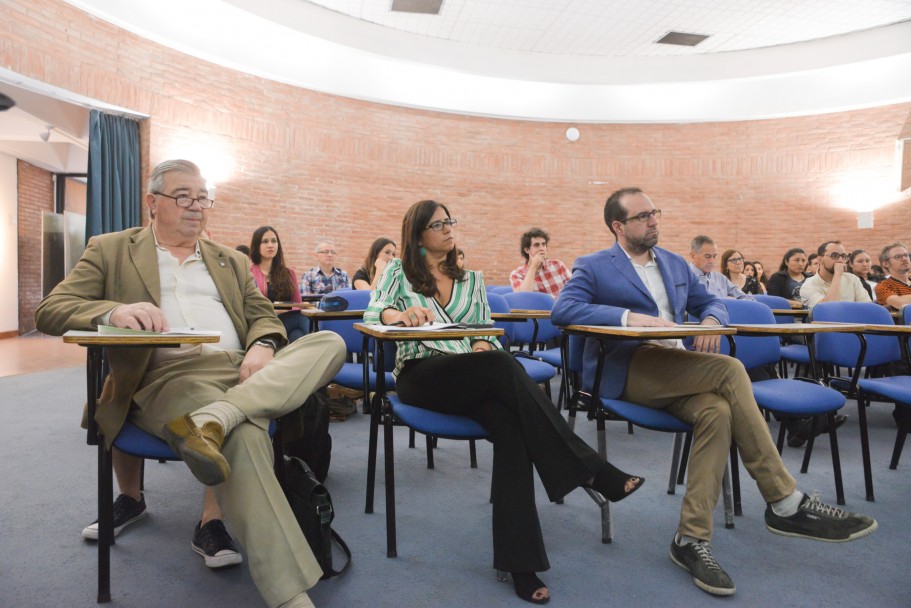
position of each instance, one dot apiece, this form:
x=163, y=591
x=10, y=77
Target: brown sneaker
x=200, y=448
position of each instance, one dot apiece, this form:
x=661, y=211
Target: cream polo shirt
x=814, y=289
x=189, y=298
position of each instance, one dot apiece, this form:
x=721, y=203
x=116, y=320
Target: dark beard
x=640, y=246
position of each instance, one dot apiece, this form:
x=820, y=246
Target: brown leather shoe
x=200, y=448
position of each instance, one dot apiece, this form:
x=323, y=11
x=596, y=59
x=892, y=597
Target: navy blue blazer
x=604, y=285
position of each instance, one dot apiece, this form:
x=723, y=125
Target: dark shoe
x=611, y=482
x=200, y=448
x=214, y=543
x=697, y=559
x=820, y=521
x=527, y=584
x=126, y=511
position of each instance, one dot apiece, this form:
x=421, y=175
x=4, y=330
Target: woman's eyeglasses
x=438, y=225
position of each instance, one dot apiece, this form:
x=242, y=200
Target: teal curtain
x=114, y=191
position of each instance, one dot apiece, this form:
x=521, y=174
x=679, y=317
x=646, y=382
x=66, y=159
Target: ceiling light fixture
x=6, y=102
x=47, y=134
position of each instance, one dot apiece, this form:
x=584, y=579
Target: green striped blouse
x=468, y=304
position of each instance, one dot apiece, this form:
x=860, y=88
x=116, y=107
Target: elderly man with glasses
x=324, y=277
x=833, y=282
x=895, y=291
x=703, y=254
x=211, y=403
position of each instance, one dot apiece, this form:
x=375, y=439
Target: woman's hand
x=479, y=346
x=414, y=316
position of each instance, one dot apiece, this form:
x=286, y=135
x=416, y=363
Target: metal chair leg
x=675, y=460
x=836, y=461
x=728, y=496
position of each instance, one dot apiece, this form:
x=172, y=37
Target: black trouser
x=525, y=429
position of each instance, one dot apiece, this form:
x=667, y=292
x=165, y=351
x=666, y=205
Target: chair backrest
x=905, y=314
x=532, y=300
x=357, y=300
x=843, y=349
x=500, y=289
x=498, y=303
x=752, y=351
x=776, y=303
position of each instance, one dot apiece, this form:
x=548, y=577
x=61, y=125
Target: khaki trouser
x=281, y=562
x=713, y=393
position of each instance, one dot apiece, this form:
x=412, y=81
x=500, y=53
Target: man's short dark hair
x=613, y=210
x=528, y=236
x=698, y=241
x=821, y=250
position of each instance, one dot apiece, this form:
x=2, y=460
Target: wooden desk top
x=888, y=330
x=793, y=329
x=520, y=315
x=334, y=315
x=649, y=333
x=292, y=305
x=791, y=312
x=427, y=334
x=93, y=338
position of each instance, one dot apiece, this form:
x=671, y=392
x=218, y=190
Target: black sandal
x=526, y=585
x=611, y=482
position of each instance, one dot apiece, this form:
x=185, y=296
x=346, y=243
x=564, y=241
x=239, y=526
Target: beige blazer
x=122, y=268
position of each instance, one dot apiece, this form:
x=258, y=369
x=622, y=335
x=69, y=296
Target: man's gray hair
x=698, y=241
x=884, y=254
x=156, y=178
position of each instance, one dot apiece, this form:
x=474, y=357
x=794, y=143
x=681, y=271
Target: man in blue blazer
x=637, y=284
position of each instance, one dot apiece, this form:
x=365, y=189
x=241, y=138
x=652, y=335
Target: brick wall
x=36, y=196
x=315, y=165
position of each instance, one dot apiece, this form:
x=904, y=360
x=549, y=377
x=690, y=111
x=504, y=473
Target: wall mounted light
x=47, y=134
x=572, y=134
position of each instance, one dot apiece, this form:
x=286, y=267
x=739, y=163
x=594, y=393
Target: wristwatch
x=267, y=342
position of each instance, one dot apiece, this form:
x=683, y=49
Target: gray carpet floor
x=47, y=495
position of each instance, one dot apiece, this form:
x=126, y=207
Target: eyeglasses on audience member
x=186, y=201
x=438, y=225
x=644, y=216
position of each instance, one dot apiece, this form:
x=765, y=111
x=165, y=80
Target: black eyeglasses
x=644, y=216
x=839, y=257
x=186, y=201
x=438, y=225
x=735, y=260
x=898, y=257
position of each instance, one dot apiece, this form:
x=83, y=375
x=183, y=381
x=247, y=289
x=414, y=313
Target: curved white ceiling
x=492, y=68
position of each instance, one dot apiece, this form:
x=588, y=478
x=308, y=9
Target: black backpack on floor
x=305, y=434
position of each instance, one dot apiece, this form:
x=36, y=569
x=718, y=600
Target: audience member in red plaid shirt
x=538, y=273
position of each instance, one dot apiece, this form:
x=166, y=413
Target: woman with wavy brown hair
x=275, y=280
x=381, y=251
x=732, y=266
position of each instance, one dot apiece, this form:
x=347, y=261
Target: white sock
x=683, y=540
x=786, y=507
x=226, y=414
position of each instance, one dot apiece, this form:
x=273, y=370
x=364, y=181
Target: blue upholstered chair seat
x=657, y=420
x=352, y=376
x=539, y=371
x=436, y=424
x=551, y=355
x=133, y=440
x=796, y=398
x=894, y=388
x=798, y=353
